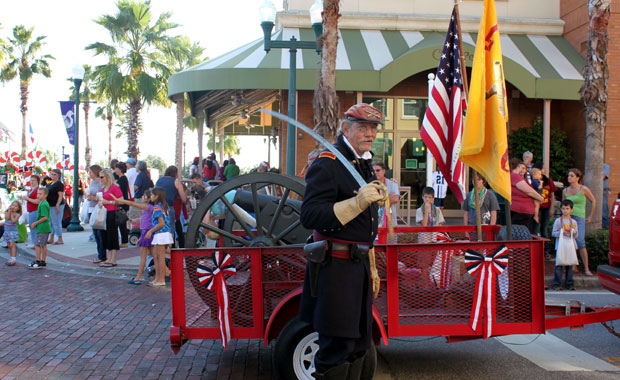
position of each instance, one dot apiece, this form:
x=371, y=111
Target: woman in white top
x=393, y=194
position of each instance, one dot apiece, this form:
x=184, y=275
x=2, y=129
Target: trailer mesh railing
x=425, y=287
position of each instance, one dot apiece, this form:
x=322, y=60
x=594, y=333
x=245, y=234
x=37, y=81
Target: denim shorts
x=581, y=230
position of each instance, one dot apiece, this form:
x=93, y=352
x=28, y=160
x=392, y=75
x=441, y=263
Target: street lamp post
x=78, y=75
x=268, y=17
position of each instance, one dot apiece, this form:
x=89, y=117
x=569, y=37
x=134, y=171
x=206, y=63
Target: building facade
x=386, y=52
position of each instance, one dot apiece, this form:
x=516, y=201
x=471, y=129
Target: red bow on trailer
x=214, y=280
x=485, y=268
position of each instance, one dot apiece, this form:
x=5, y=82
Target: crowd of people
x=127, y=194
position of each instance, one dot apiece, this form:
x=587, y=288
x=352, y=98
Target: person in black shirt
x=55, y=197
x=119, y=171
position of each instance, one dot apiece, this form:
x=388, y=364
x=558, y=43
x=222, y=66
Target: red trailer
x=426, y=290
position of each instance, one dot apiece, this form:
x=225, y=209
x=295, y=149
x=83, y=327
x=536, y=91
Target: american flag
x=442, y=127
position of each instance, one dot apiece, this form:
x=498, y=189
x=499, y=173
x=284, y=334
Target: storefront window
x=383, y=148
x=386, y=106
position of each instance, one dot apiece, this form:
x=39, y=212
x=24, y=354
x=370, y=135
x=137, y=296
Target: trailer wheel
x=293, y=354
x=519, y=232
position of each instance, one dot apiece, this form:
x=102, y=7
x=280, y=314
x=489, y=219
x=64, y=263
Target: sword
x=352, y=170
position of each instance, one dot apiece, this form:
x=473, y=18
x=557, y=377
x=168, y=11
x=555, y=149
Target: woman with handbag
x=91, y=195
x=110, y=237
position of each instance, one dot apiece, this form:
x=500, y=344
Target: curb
x=121, y=273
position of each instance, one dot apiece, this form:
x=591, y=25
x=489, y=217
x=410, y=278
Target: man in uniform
x=345, y=215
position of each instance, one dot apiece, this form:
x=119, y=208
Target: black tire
x=519, y=232
x=288, y=365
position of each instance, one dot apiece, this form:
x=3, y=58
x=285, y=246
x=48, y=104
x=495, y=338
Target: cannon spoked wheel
x=265, y=207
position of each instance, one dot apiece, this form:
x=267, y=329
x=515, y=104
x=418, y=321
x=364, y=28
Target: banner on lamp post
x=68, y=117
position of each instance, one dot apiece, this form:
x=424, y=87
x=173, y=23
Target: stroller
x=134, y=233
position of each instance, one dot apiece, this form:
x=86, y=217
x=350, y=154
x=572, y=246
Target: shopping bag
x=566, y=254
x=84, y=212
x=98, y=218
x=23, y=219
x=23, y=233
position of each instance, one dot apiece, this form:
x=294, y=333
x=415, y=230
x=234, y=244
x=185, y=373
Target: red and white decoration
x=9, y=158
x=37, y=158
x=213, y=279
x=66, y=164
x=485, y=268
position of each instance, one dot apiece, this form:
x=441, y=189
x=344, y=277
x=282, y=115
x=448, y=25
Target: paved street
x=77, y=321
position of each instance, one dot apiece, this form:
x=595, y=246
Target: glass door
x=412, y=154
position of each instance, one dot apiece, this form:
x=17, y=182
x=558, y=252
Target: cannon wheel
x=286, y=187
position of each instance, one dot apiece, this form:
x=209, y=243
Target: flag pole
x=466, y=90
x=462, y=53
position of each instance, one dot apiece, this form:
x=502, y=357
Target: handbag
x=84, y=212
x=98, y=218
x=566, y=254
x=121, y=217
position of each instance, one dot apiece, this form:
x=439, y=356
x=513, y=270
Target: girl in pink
x=145, y=244
x=11, y=235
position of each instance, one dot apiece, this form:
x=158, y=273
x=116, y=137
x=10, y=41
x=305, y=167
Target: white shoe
x=30, y=246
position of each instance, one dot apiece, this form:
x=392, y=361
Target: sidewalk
x=77, y=255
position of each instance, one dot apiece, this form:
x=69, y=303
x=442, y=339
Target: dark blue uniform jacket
x=343, y=305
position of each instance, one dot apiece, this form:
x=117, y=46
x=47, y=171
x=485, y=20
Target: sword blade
x=352, y=170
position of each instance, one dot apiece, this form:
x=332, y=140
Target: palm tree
x=23, y=59
x=108, y=112
x=232, y=145
x=85, y=96
x=180, y=54
x=135, y=62
x=594, y=97
x=325, y=103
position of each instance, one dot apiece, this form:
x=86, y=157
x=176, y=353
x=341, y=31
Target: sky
x=219, y=26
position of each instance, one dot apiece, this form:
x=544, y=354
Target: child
x=565, y=225
x=161, y=234
x=428, y=215
x=146, y=223
x=42, y=224
x=11, y=235
x=537, y=179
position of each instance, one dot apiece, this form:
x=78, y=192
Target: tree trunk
x=179, y=147
x=132, y=132
x=109, y=118
x=594, y=97
x=87, y=155
x=23, y=87
x=325, y=103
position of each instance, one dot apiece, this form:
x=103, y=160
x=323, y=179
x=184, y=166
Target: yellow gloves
x=374, y=274
x=349, y=209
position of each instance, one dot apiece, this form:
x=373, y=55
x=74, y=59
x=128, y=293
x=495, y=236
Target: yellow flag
x=485, y=144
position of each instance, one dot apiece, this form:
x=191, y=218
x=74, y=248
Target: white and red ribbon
x=485, y=268
x=213, y=279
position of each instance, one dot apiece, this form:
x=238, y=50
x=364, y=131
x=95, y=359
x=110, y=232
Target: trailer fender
x=288, y=308
x=381, y=333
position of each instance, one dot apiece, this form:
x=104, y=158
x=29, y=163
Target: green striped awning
x=376, y=60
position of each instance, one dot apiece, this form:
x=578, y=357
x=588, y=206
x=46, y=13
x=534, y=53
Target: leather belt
x=346, y=255
x=340, y=247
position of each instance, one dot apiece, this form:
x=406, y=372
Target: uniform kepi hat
x=364, y=113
